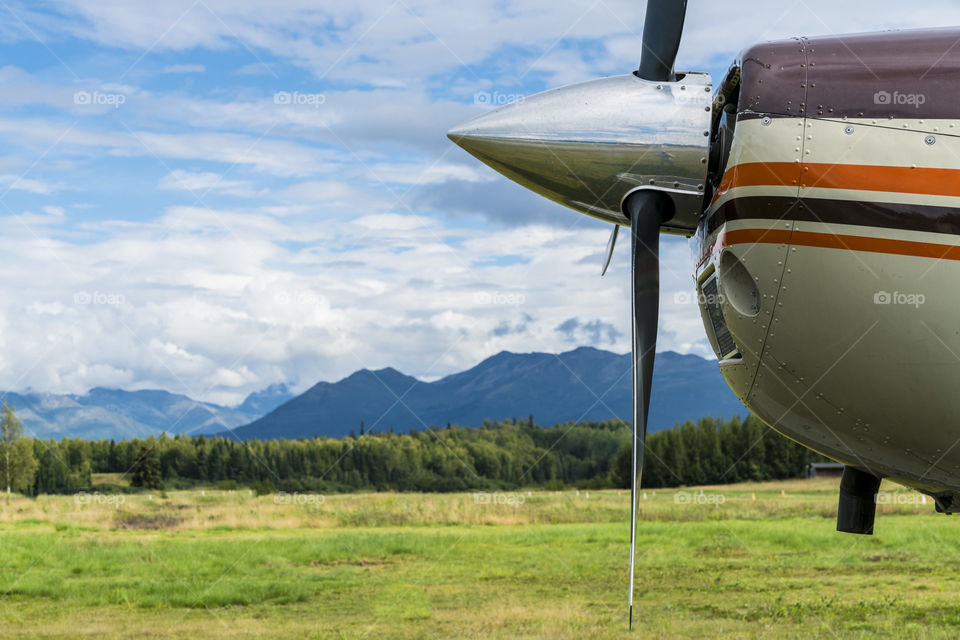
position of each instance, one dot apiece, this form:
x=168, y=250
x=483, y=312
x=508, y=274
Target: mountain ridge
x=117, y=414
x=583, y=384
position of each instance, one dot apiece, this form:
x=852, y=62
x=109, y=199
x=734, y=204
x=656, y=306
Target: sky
x=211, y=196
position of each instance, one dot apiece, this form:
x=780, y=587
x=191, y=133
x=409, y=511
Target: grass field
x=738, y=561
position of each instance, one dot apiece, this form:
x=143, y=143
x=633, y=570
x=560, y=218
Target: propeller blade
x=647, y=210
x=661, y=39
x=611, y=243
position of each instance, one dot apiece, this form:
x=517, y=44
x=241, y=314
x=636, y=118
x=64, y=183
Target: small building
x=824, y=470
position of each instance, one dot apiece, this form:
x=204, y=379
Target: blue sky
x=210, y=196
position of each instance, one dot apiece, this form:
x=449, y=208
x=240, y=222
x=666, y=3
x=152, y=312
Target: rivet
x=930, y=140
x=848, y=130
x=766, y=120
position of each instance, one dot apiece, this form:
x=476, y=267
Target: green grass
x=231, y=565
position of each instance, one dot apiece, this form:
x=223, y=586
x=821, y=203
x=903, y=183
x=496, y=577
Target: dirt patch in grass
x=147, y=521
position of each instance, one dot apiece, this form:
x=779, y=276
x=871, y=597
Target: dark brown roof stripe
x=894, y=74
x=773, y=78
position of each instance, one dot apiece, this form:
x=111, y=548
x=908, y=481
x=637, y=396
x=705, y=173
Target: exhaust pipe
x=858, y=501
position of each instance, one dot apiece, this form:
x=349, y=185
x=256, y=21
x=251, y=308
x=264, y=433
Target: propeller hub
x=590, y=145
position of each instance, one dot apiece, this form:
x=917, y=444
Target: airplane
x=820, y=188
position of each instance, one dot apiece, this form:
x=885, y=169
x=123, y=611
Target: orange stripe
x=925, y=181
x=755, y=174
x=834, y=241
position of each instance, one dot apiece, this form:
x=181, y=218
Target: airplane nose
x=589, y=145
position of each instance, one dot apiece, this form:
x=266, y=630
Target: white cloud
x=203, y=182
x=22, y=183
x=273, y=157
x=184, y=68
x=386, y=43
x=206, y=293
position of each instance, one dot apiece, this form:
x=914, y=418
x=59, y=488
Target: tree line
x=497, y=455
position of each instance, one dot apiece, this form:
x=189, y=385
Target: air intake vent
x=727, y=348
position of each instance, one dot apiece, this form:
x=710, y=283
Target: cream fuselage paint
x=854, y=353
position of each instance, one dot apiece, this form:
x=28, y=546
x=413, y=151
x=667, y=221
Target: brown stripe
x=884, y=215
x=752, y=208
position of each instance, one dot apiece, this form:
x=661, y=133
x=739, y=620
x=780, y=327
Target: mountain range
x=116, y=414
x=583, y=384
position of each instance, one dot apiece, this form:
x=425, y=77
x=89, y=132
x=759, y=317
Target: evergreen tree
x=19, y=465
x=146, y=473
x=203, y=466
